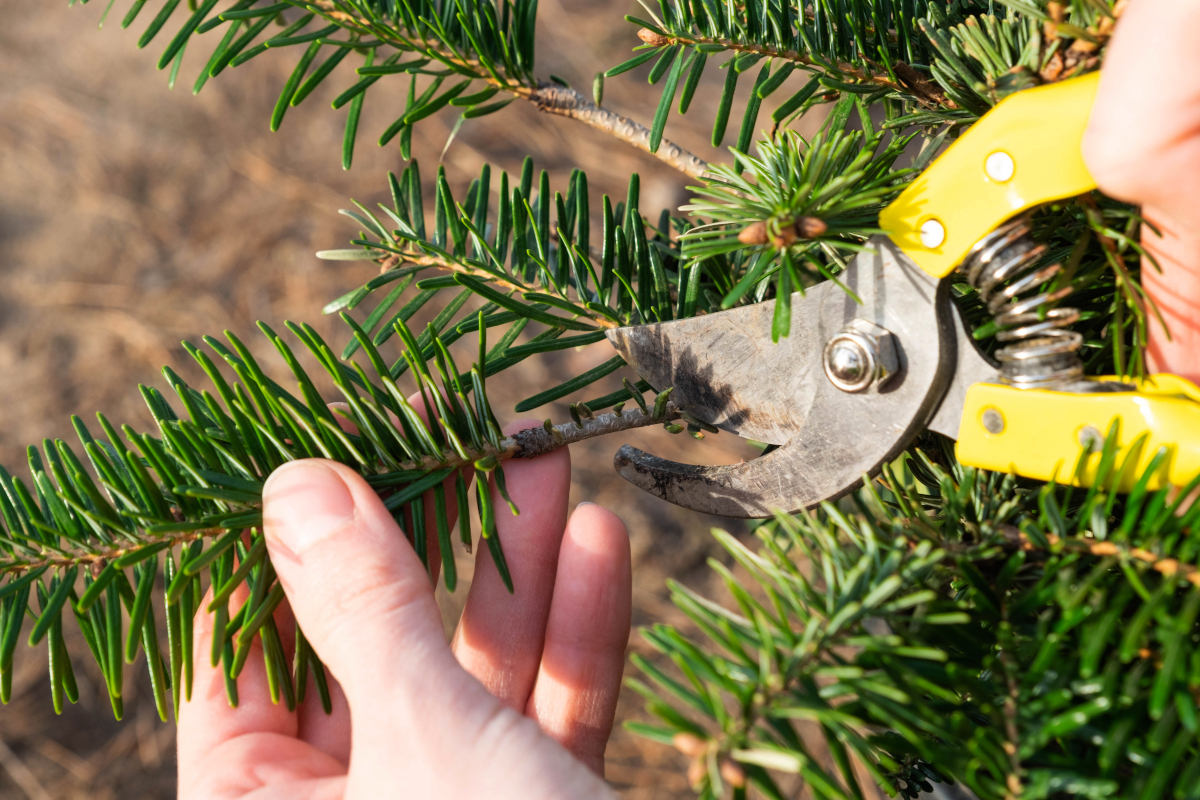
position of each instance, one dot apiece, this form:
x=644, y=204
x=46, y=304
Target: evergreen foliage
x=942, y=624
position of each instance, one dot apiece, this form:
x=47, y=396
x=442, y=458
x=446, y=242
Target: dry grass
x=132, y=217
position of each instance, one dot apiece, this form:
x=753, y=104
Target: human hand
x=1143, y=146
x=520, y=705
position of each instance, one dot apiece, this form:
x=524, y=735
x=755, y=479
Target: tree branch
x=555, y=99
x=910, y=80
x=548, y=97
x=524, y=444
x=395, y=261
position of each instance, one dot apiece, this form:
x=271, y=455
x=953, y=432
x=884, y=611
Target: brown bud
x=653, y=37
x=1168, y=566
x=697, y=770
x=810, y=227
x=787, y=235
x=1057, y=12
x=98, y=566
x=732, y=773
x=1053, y=68
x=1083, y=46
x=802, y=228
x=389, y=263
x=1119, y=8
x=689, y=744
x=1104, y=27
x=754, y=233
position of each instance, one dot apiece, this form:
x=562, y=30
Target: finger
x=208, y=724
x=1142, y=145
x=328, y=732
x=1143, y=139
x=575, y=697
x=499, y=638
x=363, y=599
x=1174, y=288
x=268, y=767
x=355, y=585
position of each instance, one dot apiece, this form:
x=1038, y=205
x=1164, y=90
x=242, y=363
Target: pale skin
x=521, y=702
x=1143, y=146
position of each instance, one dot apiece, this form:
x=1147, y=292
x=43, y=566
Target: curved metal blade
x=725, y=369
x=730, y=374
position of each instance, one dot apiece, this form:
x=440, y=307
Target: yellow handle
x=1040, y=434
x=1022, y=153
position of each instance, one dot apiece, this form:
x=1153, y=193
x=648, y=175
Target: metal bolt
x=1090, y=438
x=861, y=355
x=993, y=420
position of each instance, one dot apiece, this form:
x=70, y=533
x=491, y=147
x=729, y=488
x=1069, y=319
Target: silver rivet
x=849, y=363
x=860, y=355
x=932, y=234
x=993, y=421
x=1090, y=438
x=1000, y=166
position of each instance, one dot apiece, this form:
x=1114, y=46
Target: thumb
x=355, y=585
x=1143, y=138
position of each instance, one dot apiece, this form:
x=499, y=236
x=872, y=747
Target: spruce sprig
x=191, y=493
x=801, y=209
x=950, y=624
x=478, y=57
x=929, y=63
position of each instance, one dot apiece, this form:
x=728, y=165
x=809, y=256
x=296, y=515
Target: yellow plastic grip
x=1022, y=153
x=1040, y=434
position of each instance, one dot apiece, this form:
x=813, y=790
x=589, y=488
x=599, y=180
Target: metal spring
x=1001, y=267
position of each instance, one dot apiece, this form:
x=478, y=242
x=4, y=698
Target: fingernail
x=583, y=503
x=305, y=502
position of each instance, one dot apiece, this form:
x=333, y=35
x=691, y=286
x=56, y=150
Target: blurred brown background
x=132, y=217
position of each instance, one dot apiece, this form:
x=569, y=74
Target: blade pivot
x=725, y=370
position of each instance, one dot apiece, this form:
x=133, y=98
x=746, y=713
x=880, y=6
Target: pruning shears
x=860, y=377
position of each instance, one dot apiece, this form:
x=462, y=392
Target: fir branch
x=902, y=78
x=555, y=99
x=552, y=98
x=529, y=267
x=802, y=205
x=198, y=481
x=497, y=53
x=528, y=443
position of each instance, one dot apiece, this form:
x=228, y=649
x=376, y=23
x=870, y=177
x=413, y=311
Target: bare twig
x=536, y=441
x=555, y=99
